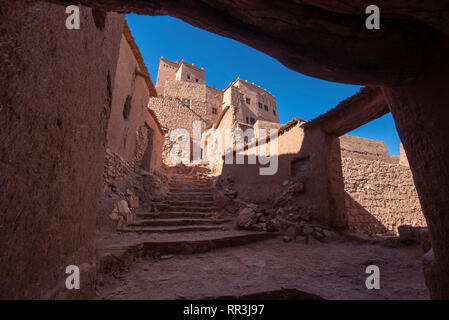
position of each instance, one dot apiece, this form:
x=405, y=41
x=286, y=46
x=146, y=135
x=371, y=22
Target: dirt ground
x=332, y=271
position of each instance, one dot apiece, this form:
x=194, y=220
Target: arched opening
x=410, y=67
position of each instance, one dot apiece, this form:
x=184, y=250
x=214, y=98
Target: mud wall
x=131, y=126
x=302, y=157
x=173, y=115
x=379, y=191
x=257, y=95
x=167, y=71
x=203, y=98
x=55, y=97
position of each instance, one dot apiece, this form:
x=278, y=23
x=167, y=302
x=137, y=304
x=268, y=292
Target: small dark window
x=127, y=107
x=248, y=100
x=299, y=166
x=214, y=110
x=247, y=120
x=196, y=80
x=260, y=105
x=188, y=76
x=253, y=121
x=185, y=102
x=265, y=107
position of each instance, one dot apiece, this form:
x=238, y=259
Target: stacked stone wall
x=173, y=115
x=380, y=194
x=115, y=168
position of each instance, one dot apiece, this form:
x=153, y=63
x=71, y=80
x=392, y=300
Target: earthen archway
x=407, y=58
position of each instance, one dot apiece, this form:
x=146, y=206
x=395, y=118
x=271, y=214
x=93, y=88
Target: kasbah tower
x=185, y=97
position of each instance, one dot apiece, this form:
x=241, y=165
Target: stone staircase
x=188, y=222
x=190, y=208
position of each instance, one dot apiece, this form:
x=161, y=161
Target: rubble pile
x=257, y=218
x=284, y=213
x=126, y=188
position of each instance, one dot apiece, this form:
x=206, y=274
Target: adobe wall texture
x=257, y=95
x=203, y=99
x=379, y=191
x=173, y=115
x=128, y=136
x=55, y=98
x=135, y=140
x=190, y=73
x=167, y=71
x=302, y=157
x=215, y=98
x=265, y=125
x=350, y=181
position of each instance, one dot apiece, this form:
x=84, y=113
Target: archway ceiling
x=326, y=39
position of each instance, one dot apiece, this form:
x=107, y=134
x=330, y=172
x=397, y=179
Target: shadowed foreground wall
x=55, y=95
x=380, y=194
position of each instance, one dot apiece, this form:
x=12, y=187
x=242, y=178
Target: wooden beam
x=365, y=106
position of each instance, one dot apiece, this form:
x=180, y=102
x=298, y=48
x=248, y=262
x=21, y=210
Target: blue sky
x=225, y=59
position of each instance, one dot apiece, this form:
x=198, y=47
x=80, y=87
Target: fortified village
x=324, y=186
x=88, y=176
x=372, y=190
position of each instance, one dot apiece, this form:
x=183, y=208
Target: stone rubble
x=284, y=215
x=127, y=187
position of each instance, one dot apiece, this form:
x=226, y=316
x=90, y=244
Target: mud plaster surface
x=334, y=271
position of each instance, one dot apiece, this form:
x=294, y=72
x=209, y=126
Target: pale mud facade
x=132, y=126
x=185, y=97
x=134, y=139
x=350, y=182
x=254, y=102
x=186, y=92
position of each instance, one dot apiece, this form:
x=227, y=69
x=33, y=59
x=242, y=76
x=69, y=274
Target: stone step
x=191, y=203
x=113, y=255
x=173, y=229
x=174, y=215
x=189, y=184
x=189, y=187
x=189, y=190
x=191, y=209
x=175, y=197
x=189, y=179
x=158, y=222
x=206, y=244
x=189, y=194
x=161, y=206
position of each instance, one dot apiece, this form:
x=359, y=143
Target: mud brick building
x=184, y=97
